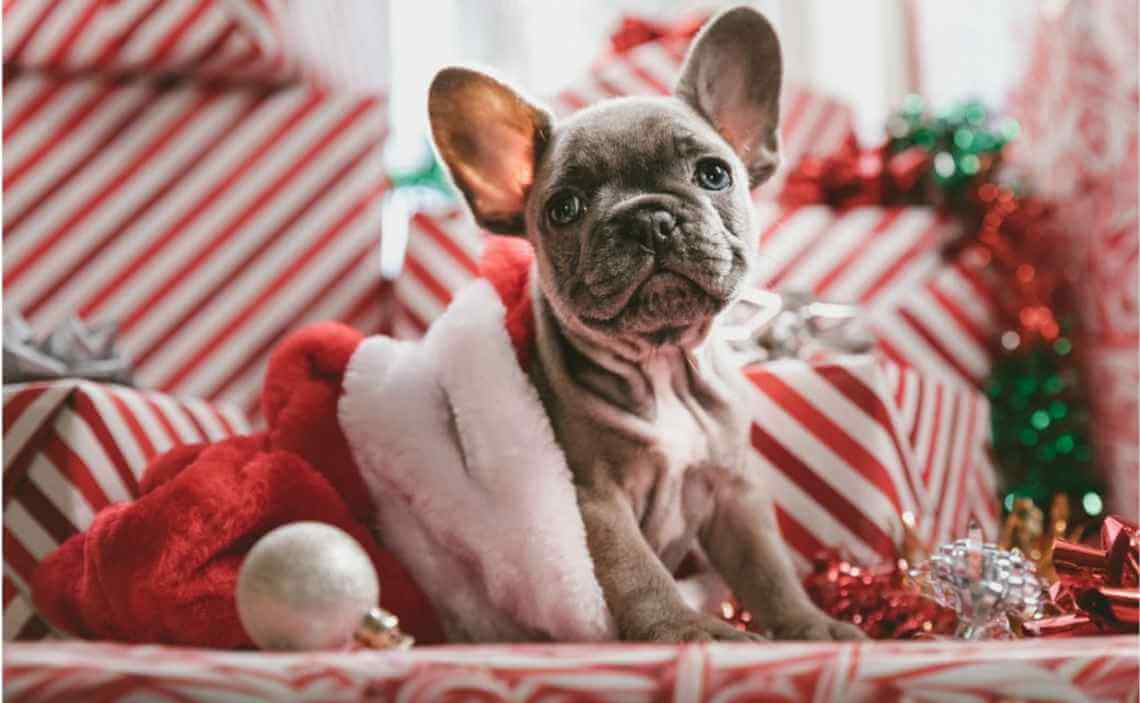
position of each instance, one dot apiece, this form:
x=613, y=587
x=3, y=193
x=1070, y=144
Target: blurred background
x=869, y=53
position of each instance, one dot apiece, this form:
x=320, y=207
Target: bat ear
x=732, y=77
x=490, y=138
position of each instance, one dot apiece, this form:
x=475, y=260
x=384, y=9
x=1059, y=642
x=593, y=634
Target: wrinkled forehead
x=630, y=139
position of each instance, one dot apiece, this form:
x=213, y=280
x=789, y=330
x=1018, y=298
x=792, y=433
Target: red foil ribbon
x=635, y=31
x=856, y=177
x=1098, y=589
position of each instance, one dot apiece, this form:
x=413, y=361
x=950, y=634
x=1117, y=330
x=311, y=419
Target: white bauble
x=305, y=585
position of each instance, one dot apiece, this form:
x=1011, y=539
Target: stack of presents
x=178, y=168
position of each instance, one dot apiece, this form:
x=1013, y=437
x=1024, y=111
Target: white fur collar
x=473, y=493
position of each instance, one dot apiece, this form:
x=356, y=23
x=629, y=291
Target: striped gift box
x=232, y=39
x=1091, y=669
x=71, y=448
x=928, y=312
x=209, y=221
x=857, y=449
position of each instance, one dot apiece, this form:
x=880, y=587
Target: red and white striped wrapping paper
x=1078, y=107
x=209, y=221
x=1063, y=670
x=933, y=314
x=857, y=448
x=231, y=39
x=73, y=447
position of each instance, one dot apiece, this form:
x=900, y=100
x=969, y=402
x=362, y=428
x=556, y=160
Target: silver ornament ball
x=305, y=586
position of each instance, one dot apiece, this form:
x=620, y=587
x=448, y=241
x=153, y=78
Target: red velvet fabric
x=163, y=568
x=506, y=264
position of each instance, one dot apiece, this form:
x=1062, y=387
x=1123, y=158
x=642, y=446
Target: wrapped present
x=1077, y=106
x=206, y=220
x=858, y=449
x=927, y=311
x=1058, y=670
x=73, y=447
x=231, y=39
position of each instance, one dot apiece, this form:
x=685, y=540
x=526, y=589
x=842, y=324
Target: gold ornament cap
x=380, y=629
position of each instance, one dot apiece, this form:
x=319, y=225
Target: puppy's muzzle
x=652, y=228
x=648, y=221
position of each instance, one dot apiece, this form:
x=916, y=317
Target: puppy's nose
x=653, y=227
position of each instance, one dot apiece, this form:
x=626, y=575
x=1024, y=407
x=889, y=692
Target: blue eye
x=564, y=208
x=713, y=174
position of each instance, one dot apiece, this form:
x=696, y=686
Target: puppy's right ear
x=491, y=138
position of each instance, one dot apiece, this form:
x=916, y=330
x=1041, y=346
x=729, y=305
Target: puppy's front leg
x=743, y=542
x=640, y=592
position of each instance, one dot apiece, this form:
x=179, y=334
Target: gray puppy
x=640, y=214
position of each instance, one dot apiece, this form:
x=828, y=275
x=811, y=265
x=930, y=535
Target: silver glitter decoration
x=983, y=583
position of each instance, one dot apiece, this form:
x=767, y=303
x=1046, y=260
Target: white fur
x=473, y=493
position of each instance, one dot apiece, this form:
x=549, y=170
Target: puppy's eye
x=564, y=208
x=713, y=174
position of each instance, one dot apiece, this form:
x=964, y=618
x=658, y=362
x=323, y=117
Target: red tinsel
x=856, y=177
x=1008, y=236
x=1097, y=589
x=875, y=599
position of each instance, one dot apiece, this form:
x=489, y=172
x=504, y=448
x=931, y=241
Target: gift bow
x=765, y=325
x=74, y=349
x=1097, y=589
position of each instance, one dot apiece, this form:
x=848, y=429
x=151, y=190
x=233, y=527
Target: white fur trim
x=473, y=492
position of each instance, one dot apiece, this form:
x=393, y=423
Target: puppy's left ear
x=491, y=138
x=732, y=78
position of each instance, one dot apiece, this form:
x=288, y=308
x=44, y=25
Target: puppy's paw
x=698, y=628
x=816, y=627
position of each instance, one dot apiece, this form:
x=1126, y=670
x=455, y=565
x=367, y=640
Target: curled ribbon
x=766, y=325
x=74, y=349
x=1097, y=588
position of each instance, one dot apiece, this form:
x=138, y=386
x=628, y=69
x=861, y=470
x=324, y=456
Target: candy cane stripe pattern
x=208, y=221
x=210, y=38
x=72, y=448
x=1103, y=669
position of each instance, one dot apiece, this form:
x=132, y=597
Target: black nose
x=652, y=227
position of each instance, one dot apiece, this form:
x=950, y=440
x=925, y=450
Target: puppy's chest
x=694, y=439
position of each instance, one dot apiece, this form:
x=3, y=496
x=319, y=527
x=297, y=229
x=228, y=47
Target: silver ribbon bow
x=983, y=583
x=74, y=349
x=764, y=326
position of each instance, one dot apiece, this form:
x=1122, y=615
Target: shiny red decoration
x=1009, y=236
x=635, y=31
x=1098, y=588
x=876, y=599
x=856, y=177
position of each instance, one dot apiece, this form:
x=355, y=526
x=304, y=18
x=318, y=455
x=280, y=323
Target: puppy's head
x=638, y=208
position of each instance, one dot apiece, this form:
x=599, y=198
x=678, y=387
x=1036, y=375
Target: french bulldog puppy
x=639, y=211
